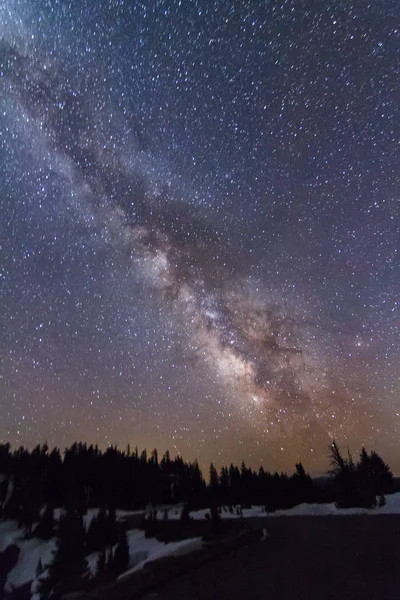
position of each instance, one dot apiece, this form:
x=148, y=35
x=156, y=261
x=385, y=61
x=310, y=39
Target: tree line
x=84, y=476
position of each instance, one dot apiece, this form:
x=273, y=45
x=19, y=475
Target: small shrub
x=101, y=564
x=39, y=569
x=185, y=514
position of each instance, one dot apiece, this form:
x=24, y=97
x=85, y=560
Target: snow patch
x=391, y=507
x=9, y=534
x=32, y=551
x=92, y=562
x=143, y=550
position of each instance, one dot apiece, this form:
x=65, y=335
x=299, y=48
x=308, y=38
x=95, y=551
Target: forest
x=85, y=476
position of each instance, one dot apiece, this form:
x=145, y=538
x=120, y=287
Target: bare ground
x=306, y=558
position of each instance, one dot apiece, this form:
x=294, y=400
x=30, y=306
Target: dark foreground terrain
x=306, y=558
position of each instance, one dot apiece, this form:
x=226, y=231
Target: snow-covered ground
x=32, y=551
x=142, y=549
x=391, y=507
x=9, y=534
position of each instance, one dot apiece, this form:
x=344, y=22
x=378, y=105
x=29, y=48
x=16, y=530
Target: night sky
x=200, y=227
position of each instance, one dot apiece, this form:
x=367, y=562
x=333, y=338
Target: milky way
x=200, y=227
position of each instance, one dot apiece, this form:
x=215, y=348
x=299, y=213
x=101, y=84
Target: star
x=200, y=233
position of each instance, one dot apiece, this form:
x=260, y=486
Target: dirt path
x=307, y=558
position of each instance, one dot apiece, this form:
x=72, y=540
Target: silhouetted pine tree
x=99, y=532
x=154, y=457
x=30, y=499
x=302, y=486
x=185, y=514
x=337, y=462
x=246, y=486
x=213, y=481
x=151, y=524
x=224, y=485
x=39, y=569
x=111, y=528
x=213, y=485
x=110, y=562
x=215, y=520
x=235, y=484
x=121, y=554
x=166, y=461
x=375, y=478
x=101, y=564
x=214, y=500
x=194, y=486
x=380, y=475
x=4, y=483
x=5, y=459
x=45, y=527
x=359, y=484
x=68, y=571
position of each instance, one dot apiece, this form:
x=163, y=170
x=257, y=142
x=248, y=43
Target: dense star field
x=200, y=226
